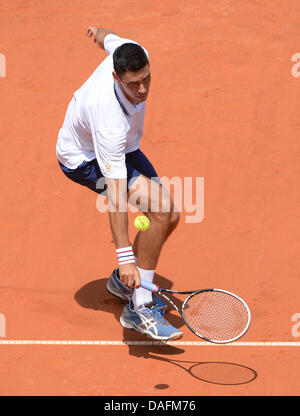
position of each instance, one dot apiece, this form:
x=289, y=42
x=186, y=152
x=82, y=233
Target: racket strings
x=216, y=315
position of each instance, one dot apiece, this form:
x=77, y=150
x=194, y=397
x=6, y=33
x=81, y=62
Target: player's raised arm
x=99, y=34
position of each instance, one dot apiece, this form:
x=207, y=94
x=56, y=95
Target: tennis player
x=98, y=147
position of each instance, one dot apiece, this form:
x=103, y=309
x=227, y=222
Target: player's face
x=135, y=85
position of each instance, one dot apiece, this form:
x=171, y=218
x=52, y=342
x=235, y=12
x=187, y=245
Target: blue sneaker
x=115, y=287
x=149, y=320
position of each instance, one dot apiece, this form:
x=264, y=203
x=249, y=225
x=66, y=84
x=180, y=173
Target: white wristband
x=125, y=255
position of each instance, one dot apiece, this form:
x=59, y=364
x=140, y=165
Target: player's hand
x=129, y=275
x=92, y=31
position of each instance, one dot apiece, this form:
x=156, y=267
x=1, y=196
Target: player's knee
x=174, y=219
x=161, y=218
x=167, y=214
x=169, y=207
x=163, y=210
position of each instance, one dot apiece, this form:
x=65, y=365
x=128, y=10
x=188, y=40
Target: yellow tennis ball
x=142, y=223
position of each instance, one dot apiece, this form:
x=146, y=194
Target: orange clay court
x=223, y=106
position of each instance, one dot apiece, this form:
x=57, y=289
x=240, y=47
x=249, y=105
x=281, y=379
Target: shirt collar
x=128, y=108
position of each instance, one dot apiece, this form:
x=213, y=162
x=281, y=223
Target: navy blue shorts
x=88, y=173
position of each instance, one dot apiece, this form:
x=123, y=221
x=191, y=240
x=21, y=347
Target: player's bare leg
x=174, y=220
x=156, y=203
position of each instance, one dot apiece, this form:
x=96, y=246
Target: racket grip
x=149, y=286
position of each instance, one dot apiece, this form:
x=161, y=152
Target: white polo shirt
x=101, y=122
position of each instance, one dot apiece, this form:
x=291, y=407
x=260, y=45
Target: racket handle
x=149, y=286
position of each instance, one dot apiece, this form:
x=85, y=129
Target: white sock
x=143, y=296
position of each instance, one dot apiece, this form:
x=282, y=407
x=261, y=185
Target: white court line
x=122, y=343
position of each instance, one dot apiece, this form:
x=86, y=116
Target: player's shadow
x=93, y=295
x=214, y=372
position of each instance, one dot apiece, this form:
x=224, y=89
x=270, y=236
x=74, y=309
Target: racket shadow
x=213, y=372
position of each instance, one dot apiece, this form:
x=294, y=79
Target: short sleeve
x=110, y=154
x=112, y=42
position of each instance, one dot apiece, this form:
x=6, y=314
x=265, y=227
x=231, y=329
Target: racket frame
x=161, y=292
x=228, y=293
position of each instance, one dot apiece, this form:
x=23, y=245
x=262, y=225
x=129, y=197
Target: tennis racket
x=214, y=315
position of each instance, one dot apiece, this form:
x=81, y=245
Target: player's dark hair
x=129, y=57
